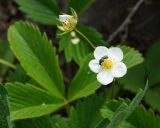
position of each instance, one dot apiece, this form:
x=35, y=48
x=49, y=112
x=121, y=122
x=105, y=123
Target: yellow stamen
x=68, y=25
x=107, y=64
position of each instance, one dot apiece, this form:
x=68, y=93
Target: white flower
x=108, y=64
x=65, y=17
x=68, y=22
x=75, y=40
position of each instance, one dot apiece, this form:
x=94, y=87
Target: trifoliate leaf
x=28, y=101
x=37, y=57
x=131, y=56
x=84, y=83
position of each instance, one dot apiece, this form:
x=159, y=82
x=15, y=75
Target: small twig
x=147, y=20
x=127, y=21
x=125, y=35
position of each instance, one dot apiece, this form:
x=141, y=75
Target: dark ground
x=105, y=16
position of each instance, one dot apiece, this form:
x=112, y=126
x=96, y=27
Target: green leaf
x=131, y=56
x=152, y=98
x=6, y=55
x=137, y=99
x=124, y=111
x=78, y=52
x=73, y=52
x=134, y=79
x=80, y=6
x=107, y=113
x=37, y=57
x=92, y=34
x=28, y=101
x=84, y=83
x=152, y=63
x=41, y=122
x=119, y=116
x=4, y=110
x=19, y=75
x=3, y=48
x=140, y=117
x=44, y=11
x=86, y=113
x=60, y=122
x=102, y=124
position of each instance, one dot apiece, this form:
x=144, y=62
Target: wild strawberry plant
x=40, y=97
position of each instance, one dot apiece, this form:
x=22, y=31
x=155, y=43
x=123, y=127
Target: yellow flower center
x=68, y=25
x=107, y=64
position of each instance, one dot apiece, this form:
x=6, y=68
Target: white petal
x=119, y=69
x=105, y=77
x=115, y=53
x=100, y=52
x=94, y=66
x=63, y=18
x=75, y=40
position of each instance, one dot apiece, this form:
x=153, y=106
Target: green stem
x=67, y=106
x=4, y=62
x=112, y=93
x=85, y=38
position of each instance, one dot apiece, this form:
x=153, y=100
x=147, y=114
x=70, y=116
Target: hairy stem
x=85, y=38
x=4, y=62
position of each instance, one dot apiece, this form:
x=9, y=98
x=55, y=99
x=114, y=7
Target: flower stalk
x=68, y=24
x=4, y=62
x=85, y=38
x=112, y=93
